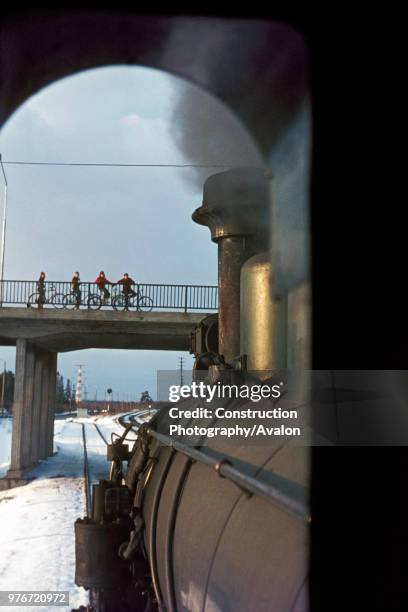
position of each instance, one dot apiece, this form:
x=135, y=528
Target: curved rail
x=137, y=417
x=100, y=433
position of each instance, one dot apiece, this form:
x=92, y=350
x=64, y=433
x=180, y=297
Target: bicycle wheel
x=144, y=304
x=94, y=301
x=119, y=302
x=57, y=300
x=69, y=301
x=33, y=299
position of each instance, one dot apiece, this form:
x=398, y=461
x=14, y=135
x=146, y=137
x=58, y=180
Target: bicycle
x=70, y=300
x=142, y=303
x=54, y=298
x=96, y=300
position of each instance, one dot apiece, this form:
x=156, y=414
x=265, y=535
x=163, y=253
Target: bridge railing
x=163, y=297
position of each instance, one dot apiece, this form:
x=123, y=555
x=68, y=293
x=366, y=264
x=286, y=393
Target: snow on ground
x=37, y=545
x=6, y=425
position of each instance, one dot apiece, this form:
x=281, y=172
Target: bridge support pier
x=52, y=389
x=33, y=408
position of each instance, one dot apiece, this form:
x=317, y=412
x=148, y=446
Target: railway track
x=100, y=433
x=95, y=439
x=87, y=480
x=87, y=470
x=136, y=418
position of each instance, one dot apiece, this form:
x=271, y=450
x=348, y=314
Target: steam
x=207, y=132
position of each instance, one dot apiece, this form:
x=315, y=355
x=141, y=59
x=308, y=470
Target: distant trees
x=69, y=393
x=60, y=394
x=145, y=398
x=8, y=389
x=64, y=397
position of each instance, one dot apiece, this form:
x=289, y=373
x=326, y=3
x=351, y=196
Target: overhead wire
x=114, y=164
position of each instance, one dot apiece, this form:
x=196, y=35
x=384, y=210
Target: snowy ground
x=5, y=444
x=37, y=550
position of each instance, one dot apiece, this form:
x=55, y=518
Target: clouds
x=81, y=118
x=148, y=141
x=73, y=217
x=51, y=110
x=118, y=219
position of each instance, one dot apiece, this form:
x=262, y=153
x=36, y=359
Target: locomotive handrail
x=161, y=296
x=224, y=467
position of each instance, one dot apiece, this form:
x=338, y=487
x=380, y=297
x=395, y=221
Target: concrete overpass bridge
x=70, y=330
x=39, y=334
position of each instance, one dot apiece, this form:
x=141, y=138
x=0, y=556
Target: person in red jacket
x=127, y=283
x=102, y=281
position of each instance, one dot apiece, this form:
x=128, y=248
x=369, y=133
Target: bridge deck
x=67, y=330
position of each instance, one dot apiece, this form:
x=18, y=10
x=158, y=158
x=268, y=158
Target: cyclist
x=127, y=290
x=41, y=290
x=76, y=291
x=102, y=281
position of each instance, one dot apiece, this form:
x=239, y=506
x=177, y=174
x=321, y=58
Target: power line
x=116, y=165
x=2, y=168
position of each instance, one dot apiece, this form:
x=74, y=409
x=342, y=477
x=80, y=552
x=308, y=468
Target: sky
x=135, y=220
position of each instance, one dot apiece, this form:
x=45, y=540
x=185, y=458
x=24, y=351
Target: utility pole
x=3, y=232
x=3, y=387
x=181, y=360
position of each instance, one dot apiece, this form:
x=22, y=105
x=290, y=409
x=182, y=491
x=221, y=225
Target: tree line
x=8, y=389
x=65, y=395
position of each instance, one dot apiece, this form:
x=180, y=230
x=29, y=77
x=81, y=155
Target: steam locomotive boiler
x=210, y=524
